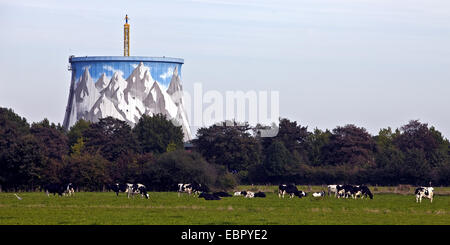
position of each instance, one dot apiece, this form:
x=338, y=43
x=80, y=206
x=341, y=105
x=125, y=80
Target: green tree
x=52, y=140
x=155, y=133
x=350, y=145
x=181, y=166
x=228, y=144
x=76, y=131
x=111, y=138
x=277, y=161
x=21, y=156
x=317, y=141
x=171, y=147
x=294, y=138
x=86, y=171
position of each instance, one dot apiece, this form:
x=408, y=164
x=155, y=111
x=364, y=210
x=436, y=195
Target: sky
x=372, y=63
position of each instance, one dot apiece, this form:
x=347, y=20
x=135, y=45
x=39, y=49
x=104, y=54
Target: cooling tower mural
x=126, y=88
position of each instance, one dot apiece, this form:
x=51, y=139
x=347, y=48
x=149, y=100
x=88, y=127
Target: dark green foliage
x=21, y=155
x=277, y=161
x=76, y=131
x=86, y=171
x=228, y=144
x=294, y=137
x=350, y=145
x=93, y=155
x=180, y=166
x=111, y=138
x=317, y=141
x=156, y=134
x=53, y=141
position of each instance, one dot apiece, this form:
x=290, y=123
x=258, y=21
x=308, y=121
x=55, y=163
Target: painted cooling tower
x=125, y=87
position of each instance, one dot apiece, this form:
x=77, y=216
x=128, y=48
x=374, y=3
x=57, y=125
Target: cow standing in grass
x=59, y=189
x=137, y=189
x=364, y=191
x=119, y=187
x=54, y=189
x=289, y=189
x=191, y=188
x=422, y=192
x=69, y=190
x=333, y=189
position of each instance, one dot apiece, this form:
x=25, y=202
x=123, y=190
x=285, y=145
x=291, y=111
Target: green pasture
x=166, y=208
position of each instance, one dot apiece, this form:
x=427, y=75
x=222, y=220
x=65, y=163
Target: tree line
x=94, y=155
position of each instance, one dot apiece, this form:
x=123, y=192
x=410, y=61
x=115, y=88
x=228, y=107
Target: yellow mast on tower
x=126, y=37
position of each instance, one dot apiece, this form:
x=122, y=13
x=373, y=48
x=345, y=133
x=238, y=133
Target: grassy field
x=166, y=208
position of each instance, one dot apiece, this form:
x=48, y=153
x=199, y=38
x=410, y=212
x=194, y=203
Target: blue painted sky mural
x=161, y=72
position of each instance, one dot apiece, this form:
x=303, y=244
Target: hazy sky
x=373, y=63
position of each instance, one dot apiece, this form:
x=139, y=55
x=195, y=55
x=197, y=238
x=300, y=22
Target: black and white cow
x=120, y=187
x=54, y=189
x=60, y=189
x=69, y=189
x=333, y=189
x=240, y=193
x=301, y=194
x=362, y=191
x=137, y=189
x=191, y=188
x=346, y=191
x=249, y=194
x=319, y=194
x=184, y=188
x=289, y=189
x=422, y=192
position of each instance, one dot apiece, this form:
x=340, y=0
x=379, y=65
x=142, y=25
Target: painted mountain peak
x=128, y=99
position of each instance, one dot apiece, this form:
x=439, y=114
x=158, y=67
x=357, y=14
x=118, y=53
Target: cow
x=54, y=189
x=319, y=194
x=340, y=191
x=422, y=192
x=119, y=187
x=250, y=194
x=301, y=194
x=186, y=188
x=289, y=189
x=191, y=188
x=240, y=193
x=222, y=194
x=208, y=196
x=347, y=191
x=333, y=189
x=260, y=194
x=343, y=191
x=69, y=190
x=363, y=191
x=137, y=189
